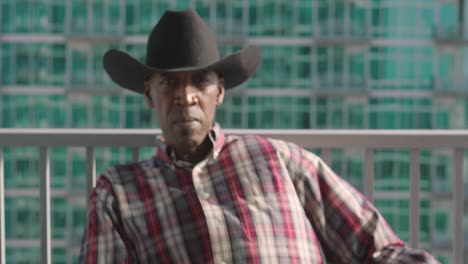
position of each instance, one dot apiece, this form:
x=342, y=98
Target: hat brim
x=131, y=74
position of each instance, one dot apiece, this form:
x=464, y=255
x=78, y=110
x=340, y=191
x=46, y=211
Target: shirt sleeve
x=102, y=240
x=349, y=227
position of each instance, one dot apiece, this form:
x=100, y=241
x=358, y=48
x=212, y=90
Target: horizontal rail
x=331, y=90
x=80, y=196
x=304, y=137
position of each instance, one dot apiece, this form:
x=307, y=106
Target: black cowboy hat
x=181, y=41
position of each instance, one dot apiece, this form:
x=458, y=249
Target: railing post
x=414, y=198
x=90, y=171
x=369, y=174
x=2, y=209
x=44, y=163
x=457, y=208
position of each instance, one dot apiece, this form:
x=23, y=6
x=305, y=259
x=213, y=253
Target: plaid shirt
x=251, y=200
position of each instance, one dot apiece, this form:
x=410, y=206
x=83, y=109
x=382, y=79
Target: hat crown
x=181, y=39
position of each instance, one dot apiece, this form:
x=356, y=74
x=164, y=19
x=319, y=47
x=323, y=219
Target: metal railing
x=326, y=140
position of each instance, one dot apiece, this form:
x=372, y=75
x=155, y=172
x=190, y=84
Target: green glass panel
x=58, y=113
x=425, y=170
x=252, y=114
x=58, y=218
x=79, y=17
x=221, y=27
x=6, y=17
x=39, y=118
x=357, y=71
x=203, y=9
x=130, y=18
x=21, y=18
x=321, y=112
x=23, y=64
x=444, y=259
x=221, y=115
x=58, y=17
x=324, y=9
x=358, y=23
x=6, y=110
x=6, y=78
x=162, y=6
x=301, y=68
x=443, y=118
x=23, y=255
x=424, y=220
x=466, y=112
x=336, y=112
x=79, y=74
x=78, y=221
x=115, y=17
x=99, y=19
x=58, y=61
x=447, y=70
x=303, y=26
x=78, y=170
x=448, y=17
x=79, y=114
x=253, y=19
x=58, y=168
x=146, y=17
x=98, y=109
x=59, y=255
x=356, y=116
x=238, y=27
x=129, y=114
x=442, y=222
x=266, y=112
x=355, y=172
x=114, y=112
x=39, y=18
x=25, y=212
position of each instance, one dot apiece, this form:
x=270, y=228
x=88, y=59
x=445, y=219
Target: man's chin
x=185, y=132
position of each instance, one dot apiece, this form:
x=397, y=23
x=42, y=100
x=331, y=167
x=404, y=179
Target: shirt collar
x=167, y=153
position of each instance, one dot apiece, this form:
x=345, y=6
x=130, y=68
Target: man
x=210, y=198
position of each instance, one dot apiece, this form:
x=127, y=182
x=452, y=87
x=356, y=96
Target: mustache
x=185, y=116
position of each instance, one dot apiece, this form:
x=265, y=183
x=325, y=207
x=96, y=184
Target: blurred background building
x=335, y=64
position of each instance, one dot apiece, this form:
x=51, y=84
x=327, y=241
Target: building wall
x=379, y=64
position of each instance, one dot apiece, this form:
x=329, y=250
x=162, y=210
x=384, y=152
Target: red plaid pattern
x=252, y=200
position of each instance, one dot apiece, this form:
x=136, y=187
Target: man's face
x=185, y=104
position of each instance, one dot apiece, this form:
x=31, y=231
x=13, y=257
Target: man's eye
x=169, y=82
x=203, y=80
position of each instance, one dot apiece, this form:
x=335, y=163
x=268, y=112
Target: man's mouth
x=186, y=121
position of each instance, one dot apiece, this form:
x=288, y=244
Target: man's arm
x=102, y=240
x=349, y=227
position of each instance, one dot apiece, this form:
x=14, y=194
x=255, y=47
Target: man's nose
x=186, y=94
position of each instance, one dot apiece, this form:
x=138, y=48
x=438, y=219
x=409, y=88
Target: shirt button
x=205, y=195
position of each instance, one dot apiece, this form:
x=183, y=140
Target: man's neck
x=195, y=154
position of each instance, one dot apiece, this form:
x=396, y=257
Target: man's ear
x=220, y=98
x=147, y=94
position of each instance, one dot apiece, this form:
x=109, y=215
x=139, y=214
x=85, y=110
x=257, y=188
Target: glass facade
x=337, y=64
